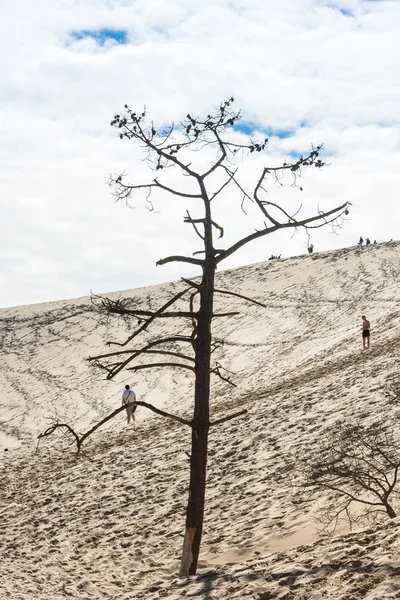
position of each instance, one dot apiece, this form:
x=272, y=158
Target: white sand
x=109, y=524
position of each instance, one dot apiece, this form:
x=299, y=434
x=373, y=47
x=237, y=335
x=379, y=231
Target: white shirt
x=128, y=396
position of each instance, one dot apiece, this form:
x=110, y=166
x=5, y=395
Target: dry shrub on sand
x=353, y=473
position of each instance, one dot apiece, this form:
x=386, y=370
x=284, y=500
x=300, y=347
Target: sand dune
x=108, y=524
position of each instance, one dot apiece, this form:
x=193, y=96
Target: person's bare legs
x=130, y=414
x=365, y=342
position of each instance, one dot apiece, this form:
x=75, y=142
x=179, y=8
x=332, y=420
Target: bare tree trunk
x=390, y=511
x=200, y=427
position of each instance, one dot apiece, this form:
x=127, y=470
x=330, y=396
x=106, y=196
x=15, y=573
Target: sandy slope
x=109, y=524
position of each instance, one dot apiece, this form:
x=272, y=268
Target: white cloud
x=297, y=65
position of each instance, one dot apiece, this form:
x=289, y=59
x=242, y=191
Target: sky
x=302, y=72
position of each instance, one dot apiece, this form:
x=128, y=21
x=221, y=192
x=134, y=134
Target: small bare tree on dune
x=178, y=147
x=391, y=390
x=355, y=465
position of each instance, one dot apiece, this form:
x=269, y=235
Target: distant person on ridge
x=367, y=242
x=366, y=326
x=128, y=400
x=360, y=241
x=310, y=248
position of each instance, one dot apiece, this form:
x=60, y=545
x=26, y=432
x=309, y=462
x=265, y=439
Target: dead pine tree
x=214, y=142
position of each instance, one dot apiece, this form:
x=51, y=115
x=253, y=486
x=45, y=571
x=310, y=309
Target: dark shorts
x=365, y=333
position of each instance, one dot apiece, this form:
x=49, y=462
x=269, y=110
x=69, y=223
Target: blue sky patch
x=102, y=35
x=344, y=11
x=244, y=127
x=249, y=128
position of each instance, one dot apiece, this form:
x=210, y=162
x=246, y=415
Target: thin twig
x=229, y=418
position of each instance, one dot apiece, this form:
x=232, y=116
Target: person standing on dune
x=366, y=325
x=128, y=400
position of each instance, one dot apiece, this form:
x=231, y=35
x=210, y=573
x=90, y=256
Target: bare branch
x=229, y=418
x=337, y=211
x=214, y=252
x=217, y=371
x=163, y=413
x=163, y=352
x=240, y=296
x=223, y=186
x=107, y=305
x=152, y=313
x=58, y=425
x=197, y=286
x=80, y=439
x=221, y=159
x=123, y=191
x=220, y=229
x=186, y=259
x=158, y=342
x=232, y=175
x=153, y=365
x=175, y=192
x=193, y=222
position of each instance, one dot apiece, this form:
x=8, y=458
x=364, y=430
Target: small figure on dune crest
x=365, y=331
x=128, y=400
x=310, y=248
x=367, y=242
x=360, y=241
